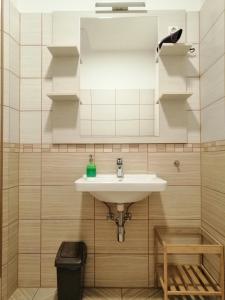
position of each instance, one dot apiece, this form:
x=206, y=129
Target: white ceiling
x=136, y=33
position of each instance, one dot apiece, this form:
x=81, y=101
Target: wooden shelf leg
x=165, y=273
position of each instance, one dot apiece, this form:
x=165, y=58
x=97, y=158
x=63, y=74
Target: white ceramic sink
x=131, y=188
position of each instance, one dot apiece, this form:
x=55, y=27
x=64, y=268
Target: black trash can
x=70, y=263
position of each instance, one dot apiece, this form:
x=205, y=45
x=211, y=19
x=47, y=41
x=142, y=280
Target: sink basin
x=131, y=188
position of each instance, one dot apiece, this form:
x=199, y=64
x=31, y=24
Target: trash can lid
x=71, y=254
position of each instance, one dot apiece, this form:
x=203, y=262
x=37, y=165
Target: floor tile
x=99, y=294
x=24, y=294
x=141, y=294
x=46, y=294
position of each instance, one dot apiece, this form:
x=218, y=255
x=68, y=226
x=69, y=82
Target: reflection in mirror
x=118, y=76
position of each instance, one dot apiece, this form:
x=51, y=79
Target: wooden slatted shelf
x=187, y=280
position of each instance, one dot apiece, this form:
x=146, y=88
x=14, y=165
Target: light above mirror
x=120, y=7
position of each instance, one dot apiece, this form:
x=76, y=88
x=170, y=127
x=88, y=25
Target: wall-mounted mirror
x=118, y=77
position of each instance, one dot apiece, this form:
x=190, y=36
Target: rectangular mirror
x=118, y=77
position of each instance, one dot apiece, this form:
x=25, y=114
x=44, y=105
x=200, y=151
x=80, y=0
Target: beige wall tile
x=139, y=210
x=12, y=240
x=192, y=23
x=5, y=241
x=213, y=170
x=63, y=202
x=177, y=202
x=14, y=92
x=48, y=271
x=30, y=29
x=47, y=126
x=133, y=162
x=10, y=169
x=136, y=237
x=193, y=125
x=30, y=168
x=4, y=283
x=29, y=270
x=29, y=236
x=163, y=165
x=63, y=168
x=55, y=232
x=13, y=204
x=12, y=279
x=121, y=270
x=213, y=209
x=29, y=199
x=14, y=21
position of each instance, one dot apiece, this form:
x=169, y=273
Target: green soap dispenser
x=91, y=167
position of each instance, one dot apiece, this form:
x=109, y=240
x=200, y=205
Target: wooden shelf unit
x=186, y=279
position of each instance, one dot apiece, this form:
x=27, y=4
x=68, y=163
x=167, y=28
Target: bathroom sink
x=131, y=188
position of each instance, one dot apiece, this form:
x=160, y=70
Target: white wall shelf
x=63, y=51
x=174, y=49
x=167, y=96
x=63, y=96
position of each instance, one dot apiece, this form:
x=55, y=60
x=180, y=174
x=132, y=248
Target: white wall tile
x=127, y=112
x=193, y=126
x=192, y=65
x=212, y=83
x=14, y=126
x=31, y=61
x=47, y=66
x=14, y=22
x=46, y=88
x=30, y=127
x=212, y=46
x=14, y=92
x=193, y=86
x=6, y=14
x=85, y=96
x=193, y=27
x=6, y=137
x=103, y=96
x=127, y=97
x=209, y=14
x=46, y=29
x=85, y=112
x=146, y=127
x=127, y=128
x=30, y=94
x=103, y=112
x=14, y=61
x=103, y=128
x=46, y=127
x=146, y=112
x=147, y=96
x=31, y=29
x=85, y=128
x=213, y=122
x=6, y=89
x=6, y=51
x=171, y=18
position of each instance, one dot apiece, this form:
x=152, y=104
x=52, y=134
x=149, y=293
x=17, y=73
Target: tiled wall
x=11, y=105
x=52, y=211
x=117, y=112
x=213, y=119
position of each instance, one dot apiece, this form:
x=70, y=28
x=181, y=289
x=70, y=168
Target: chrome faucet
x=119, y=163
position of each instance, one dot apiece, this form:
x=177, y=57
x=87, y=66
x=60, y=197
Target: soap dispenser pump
x=91, y=167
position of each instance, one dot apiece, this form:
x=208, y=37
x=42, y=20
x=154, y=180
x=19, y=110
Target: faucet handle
x=119, y=161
